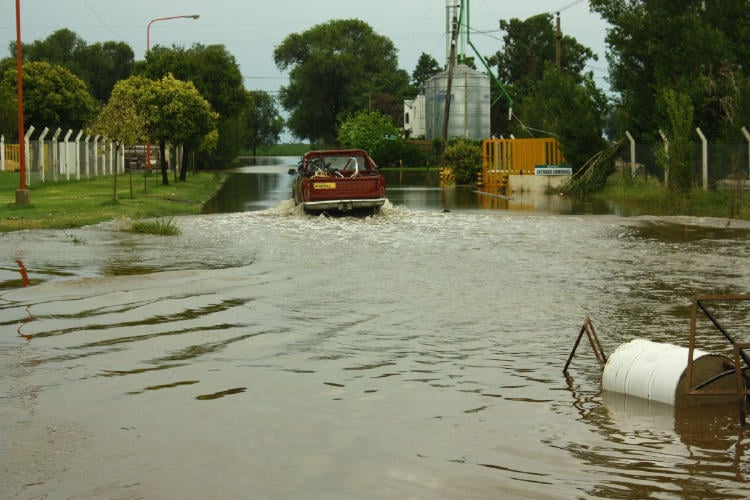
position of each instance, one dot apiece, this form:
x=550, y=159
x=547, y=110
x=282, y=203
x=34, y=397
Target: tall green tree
x=262, y=122
x=99, y=65
x=216, y=75
x=103, y=64
x=426, y=68
x=174, y=112
x=696, y=47
x=334, y=68
x=529, y=45
x=52, y=96
x=528, y=49
x=559, y=102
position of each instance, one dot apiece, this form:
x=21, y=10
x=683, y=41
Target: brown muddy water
x=418, y=353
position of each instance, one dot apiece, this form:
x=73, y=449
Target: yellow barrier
x=504, y=157
x=12, y=157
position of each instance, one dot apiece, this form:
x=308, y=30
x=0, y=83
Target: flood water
x=418, y=353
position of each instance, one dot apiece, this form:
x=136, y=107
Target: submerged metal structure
x=674, y=375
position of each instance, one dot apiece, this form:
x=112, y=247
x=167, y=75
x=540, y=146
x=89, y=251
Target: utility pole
x=558, y=43
x=451, y=64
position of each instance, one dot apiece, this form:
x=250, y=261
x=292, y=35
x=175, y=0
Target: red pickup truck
x=339, y=180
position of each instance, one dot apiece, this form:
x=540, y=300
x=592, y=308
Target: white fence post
x=666, y=157
x=41, y=152
x=2, y=153
x=78, y=154
x=704, y=157
x=67, y=153
x=109, y=156
x=121, y=158
x=55, y=154
x=87, y=153
x=96, y=154
x=26, y=138
x=632, y=153
x=747, y=138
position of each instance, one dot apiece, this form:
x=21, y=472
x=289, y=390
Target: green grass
x=69, y=204
x=650, y=197
x=159, y=226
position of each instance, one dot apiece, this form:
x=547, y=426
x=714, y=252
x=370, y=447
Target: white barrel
x=655, y=371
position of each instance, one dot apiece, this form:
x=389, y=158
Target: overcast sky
x=251, y=29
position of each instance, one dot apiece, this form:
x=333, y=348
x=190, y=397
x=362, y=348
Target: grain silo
x=470, y=104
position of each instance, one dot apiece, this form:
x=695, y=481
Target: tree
x=426, y=68
x=367, y=130
x=677, y=162
x=102, y=65
x=216, y=75
x=571, y=111
x=52, y=96
x=121, y=121
x=528, y=46
x=99, y=65
x=334, y=68
x=173, y=111
x=262, y=122
x=560, y=102
x=697, y=48
x=8, y=111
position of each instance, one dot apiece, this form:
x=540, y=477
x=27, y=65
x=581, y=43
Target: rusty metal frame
x=742, y=390
x=596, y=346
x=699, y=302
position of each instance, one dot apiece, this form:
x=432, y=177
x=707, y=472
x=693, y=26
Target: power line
x=101, y=19
x=572, y=4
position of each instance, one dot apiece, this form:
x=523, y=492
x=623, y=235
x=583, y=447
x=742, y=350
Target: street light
x=148, y=28
x=148, y=48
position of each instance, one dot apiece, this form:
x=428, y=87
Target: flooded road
x=264, y=353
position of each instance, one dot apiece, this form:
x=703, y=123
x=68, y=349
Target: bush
x=398, y=152
x=465, y=158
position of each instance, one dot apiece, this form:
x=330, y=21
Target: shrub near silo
x=464, y=157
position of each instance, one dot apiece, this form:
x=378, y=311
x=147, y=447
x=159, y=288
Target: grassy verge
x=67, y=204
x=650, y=197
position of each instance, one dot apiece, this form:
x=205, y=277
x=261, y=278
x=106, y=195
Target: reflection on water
x=416, y=353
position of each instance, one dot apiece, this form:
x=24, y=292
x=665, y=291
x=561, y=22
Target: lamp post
x=22, y=194
x=148, y=49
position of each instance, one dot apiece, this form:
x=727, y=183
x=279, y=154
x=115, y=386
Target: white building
x=414, y=117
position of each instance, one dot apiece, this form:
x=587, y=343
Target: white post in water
x=632, y=153
x=78, y=154
x=747, y=138
x=41, y=152
x=666, y=157
x=26, y=139
x=704, y=157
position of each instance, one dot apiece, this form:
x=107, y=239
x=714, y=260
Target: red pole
x=21, y=132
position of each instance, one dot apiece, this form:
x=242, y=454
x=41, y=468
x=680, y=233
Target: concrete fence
x=713, y=161
x=58, y=156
